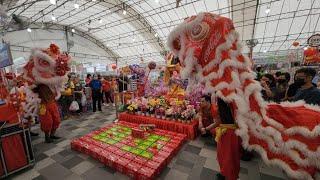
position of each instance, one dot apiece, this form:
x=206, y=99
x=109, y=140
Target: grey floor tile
x=65, y=152
x=55, y=172
x=98, y=173
x=268, y=177
x=192, y=149
x=182, y=168
x=40, y=157
x=175, y=175
x=40, y=177
x=75, y=160
x=185, y=163
x=188, y=156
x=207, y=174
x=164, y=173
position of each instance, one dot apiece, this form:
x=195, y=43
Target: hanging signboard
x=314, y=40
x=5, y=55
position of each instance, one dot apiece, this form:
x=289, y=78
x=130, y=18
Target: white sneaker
x=113, y=105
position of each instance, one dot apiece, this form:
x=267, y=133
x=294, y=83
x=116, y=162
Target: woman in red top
x=88, y=80
x=207, y=114
x=106, y=87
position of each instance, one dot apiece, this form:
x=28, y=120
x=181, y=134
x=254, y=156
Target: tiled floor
x=195, y=161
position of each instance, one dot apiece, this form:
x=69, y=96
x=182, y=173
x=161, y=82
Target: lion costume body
x=285, y=135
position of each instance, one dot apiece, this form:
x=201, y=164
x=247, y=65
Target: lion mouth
x=46, y=75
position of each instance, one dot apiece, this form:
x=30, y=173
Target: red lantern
x=295, y=43
x=310, y=51
x=113, y=66
x=152, y=65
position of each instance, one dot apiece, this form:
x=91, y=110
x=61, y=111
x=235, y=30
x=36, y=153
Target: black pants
x=96, y=98
x=108, y=97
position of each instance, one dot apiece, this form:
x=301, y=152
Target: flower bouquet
x=188, y=114
x=169, y=114
x=132, y=108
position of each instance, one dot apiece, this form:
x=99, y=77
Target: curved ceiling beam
x=140, y=21
x=51, y=26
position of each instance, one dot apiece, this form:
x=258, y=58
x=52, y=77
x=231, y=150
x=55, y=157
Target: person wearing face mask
x=268, y=84
x=96, y=87
x=282, y=86
x=292, y=89
x=307, y=92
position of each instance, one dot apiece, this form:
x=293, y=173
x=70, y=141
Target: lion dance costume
x=44, y=74
x=285, y=135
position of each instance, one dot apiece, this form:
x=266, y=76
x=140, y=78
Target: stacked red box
x=111, y=160
x=129, y=156
x=121, y=165
x=135, y=166
x=137, y=133
x=155, y=165
x=95, y=152
x=146, y=173
x=133, y=169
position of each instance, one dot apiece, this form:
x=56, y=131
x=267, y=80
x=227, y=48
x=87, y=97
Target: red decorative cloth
x=50, y=121
x=188, y=129
x=14, y=152
x=8, y=114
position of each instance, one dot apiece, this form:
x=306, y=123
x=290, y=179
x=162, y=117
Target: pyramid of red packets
x=133, y=165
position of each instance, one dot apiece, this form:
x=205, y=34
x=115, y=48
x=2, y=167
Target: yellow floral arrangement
x=132, y=107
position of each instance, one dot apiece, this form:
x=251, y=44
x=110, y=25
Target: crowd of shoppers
x=278, y=88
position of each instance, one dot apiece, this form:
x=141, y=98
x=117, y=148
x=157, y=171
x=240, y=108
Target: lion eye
x=177, y=44
x=44, y=63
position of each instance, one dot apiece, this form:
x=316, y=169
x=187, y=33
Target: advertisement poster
x=5, y=55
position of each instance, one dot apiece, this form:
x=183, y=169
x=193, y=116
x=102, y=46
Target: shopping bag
x=83, y=100
x=74, y=106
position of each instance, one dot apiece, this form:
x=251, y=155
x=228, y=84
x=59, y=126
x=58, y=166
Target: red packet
x=160, y=159
x=118, y=145
x=167, y=149
x=154, y=165
x=95, y=152
x=132, y=170
x=119, y=152
x=75, y=145
x=120, y=164
x=154, y=151
x=139, y=160
x=111, y=160
x=137, y=133
x=103, y=156
x=129, y=156
x=161, y=142
x=146, y=173
x=103, y=145
x=112, y=148
x=86, y=149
